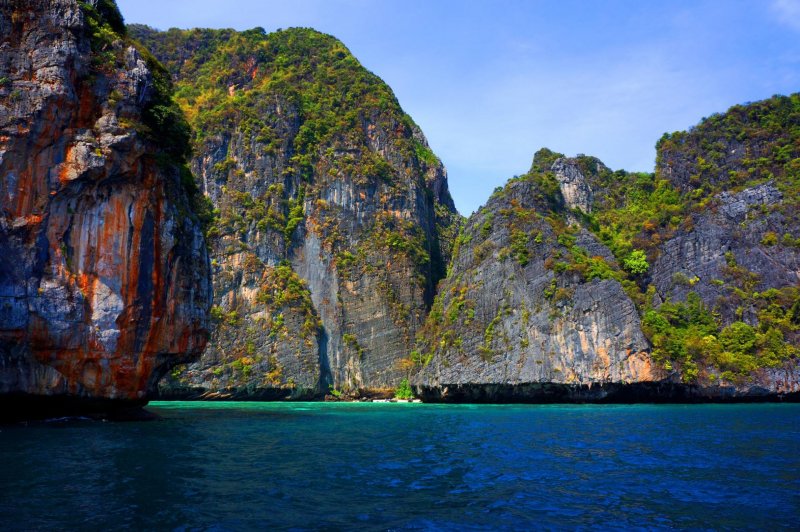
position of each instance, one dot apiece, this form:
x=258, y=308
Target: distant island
x=211, y=213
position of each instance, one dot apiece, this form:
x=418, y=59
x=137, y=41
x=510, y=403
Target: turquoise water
x=233, y=466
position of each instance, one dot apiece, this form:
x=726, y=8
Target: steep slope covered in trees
x=736, y=252
x=572, y=273
x=333, y=218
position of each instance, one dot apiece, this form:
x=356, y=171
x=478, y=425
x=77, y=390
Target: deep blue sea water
x=336, y=466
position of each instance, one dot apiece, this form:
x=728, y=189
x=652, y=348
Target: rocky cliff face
x=578, y=283
x=532, y=306
x=334, y=217
x=741, y=172
x=104, y=275
x=736, y=250
x=727, y=247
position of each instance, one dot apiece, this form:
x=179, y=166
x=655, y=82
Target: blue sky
x=490, y=82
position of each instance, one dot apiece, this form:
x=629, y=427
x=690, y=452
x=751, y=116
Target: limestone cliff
x=104, y=274
x=575, y=282
x=334, y=220
x=330, y=229
x=532, y=308
x=736, y=248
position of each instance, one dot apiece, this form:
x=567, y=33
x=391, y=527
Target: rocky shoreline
x=20, y=408
x=610, y=393
x=532, y=393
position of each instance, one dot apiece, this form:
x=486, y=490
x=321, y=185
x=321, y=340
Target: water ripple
x=235, y=466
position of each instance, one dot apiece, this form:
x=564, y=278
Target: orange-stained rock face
x=104, y=275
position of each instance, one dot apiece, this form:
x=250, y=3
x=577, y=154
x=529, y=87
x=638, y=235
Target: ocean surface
x=356, y=466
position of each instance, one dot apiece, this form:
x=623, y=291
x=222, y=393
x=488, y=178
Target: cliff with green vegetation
x=576, y=282
x=332, y=217
x=279, y=167
x=726, y=274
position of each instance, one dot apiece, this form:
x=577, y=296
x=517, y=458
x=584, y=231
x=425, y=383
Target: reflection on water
x=385, y=466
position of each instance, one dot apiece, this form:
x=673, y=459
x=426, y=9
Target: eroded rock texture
x=737, y=248
x=334, y=218
x=729, y=233
x=511, y=313
x=104, y=274
x=576, y=283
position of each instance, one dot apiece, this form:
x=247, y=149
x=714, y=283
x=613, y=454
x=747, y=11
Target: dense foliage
x=233, y=77
x=687, y=336
x=404, y=391
x=745, y=145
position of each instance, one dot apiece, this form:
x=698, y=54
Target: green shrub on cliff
x=234, y=75
x=704, y=153
x=404, y=391
x=636, y=262
x=687, y=336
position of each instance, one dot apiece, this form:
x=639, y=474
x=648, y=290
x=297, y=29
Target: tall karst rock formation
x=104, y=274
x=533, y=307
x=334, y=220
x=578, y=283
x=329, y=227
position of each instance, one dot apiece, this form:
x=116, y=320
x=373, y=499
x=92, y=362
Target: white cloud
x=787, y=12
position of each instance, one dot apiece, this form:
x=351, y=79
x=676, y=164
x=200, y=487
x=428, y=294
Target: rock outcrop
x=572, y=183
x=578, y=283
x=104, y=274
x=739, y=174
x=334, y=218
x=531, y=309
x=732, y=234
x=736, y=250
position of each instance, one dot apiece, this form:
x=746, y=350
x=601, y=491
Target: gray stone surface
x=574, y=188
x=104, y=276
x=733, y=227
x=510, y=331
x=367, y=310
